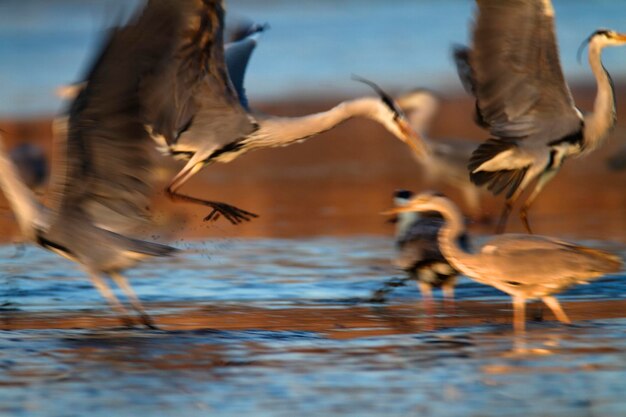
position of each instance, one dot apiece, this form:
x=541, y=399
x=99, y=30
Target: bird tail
x=497, y=180
x=606, y=262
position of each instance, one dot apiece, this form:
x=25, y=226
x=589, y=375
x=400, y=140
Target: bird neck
x=449, y=237
x=599, y=123
x=282, y=131
x=20, y=197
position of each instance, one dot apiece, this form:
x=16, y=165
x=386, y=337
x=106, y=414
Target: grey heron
x=101, y=177
x=513, y=70
x=196, y=115
x=418, y=252
x=443, y=160
x=523, y=266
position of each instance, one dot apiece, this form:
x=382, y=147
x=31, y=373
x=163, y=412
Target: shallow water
x=283, y=327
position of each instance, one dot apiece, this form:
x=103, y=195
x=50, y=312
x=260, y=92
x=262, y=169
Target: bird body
x=523, y=266
x=418, y=252
x=101, y=178
x=513, y=70
x=196, y=113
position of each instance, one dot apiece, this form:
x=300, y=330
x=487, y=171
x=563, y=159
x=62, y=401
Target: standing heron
x=195, y=113
x=444, y=160
x=523, y=266
x=418, y=249
x=101, y=179
x=513, y=70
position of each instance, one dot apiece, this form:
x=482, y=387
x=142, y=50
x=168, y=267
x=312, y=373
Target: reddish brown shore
x=339, y=182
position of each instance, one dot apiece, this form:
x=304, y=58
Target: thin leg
x=231, y=213
x=380, y=294
x=519, y=314
x=106, y=292
x=544, y=178
x=448, y=295
x=427, y=295
x=134, y=301
x=553, y=304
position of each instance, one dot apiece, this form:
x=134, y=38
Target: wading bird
x=443, y=160
x=101, y=177
x=195, y=113
x=513, y=70
x=523, y=266
x=418, y=249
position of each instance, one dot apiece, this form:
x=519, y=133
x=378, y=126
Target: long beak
x=397, y=210
x=411, y=137
x=620, y=37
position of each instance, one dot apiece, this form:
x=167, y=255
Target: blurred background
x=337, y=183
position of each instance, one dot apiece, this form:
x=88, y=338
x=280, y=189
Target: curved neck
x=20, y=197
x=281, y=131
x=449, y=236
x=599, y=123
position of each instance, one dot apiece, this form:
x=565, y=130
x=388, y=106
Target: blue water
x=471, y=370
x=311, y=50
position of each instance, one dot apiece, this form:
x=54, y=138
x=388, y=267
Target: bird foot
x=233, y=214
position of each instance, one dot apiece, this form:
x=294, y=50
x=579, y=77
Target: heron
x=196, y=115
x=418, y=252
x=513, y=70
x=443, y=160
x=101, y=175
x=521, y=265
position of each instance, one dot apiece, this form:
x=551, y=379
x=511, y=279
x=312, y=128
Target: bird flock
x=169, y=79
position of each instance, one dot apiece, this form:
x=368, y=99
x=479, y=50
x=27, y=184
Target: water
x=283, y=327
x=311, y=50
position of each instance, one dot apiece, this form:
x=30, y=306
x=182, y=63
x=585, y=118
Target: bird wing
x=237, y=55
x=538, y=260
x=194, y=96
x=102, y=163
x=513, y=69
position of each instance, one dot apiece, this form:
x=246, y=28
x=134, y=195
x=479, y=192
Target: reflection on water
x=281, y=327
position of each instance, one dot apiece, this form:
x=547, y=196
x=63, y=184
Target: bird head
x=601, y=38
x=423, y=202
x=394, y=119
x=420, y=106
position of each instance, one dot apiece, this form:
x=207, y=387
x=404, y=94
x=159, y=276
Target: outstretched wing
x=103, y=165
x=194, y=95
x=513, y=69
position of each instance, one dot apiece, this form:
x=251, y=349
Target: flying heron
x=513, y=70
x=418, y=252
x=523, y=266
x=196, y=114
x=101, y=177
x=444, y=160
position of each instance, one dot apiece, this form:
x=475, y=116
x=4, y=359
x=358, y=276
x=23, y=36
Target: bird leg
x=544, y=178
x=504, y=216
x=380, y=294
x=519, y=314
x=448, y=295
x=231, y=213
x=556, y=308
x=427, y=295
x=134, y=300
x=106, y=292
